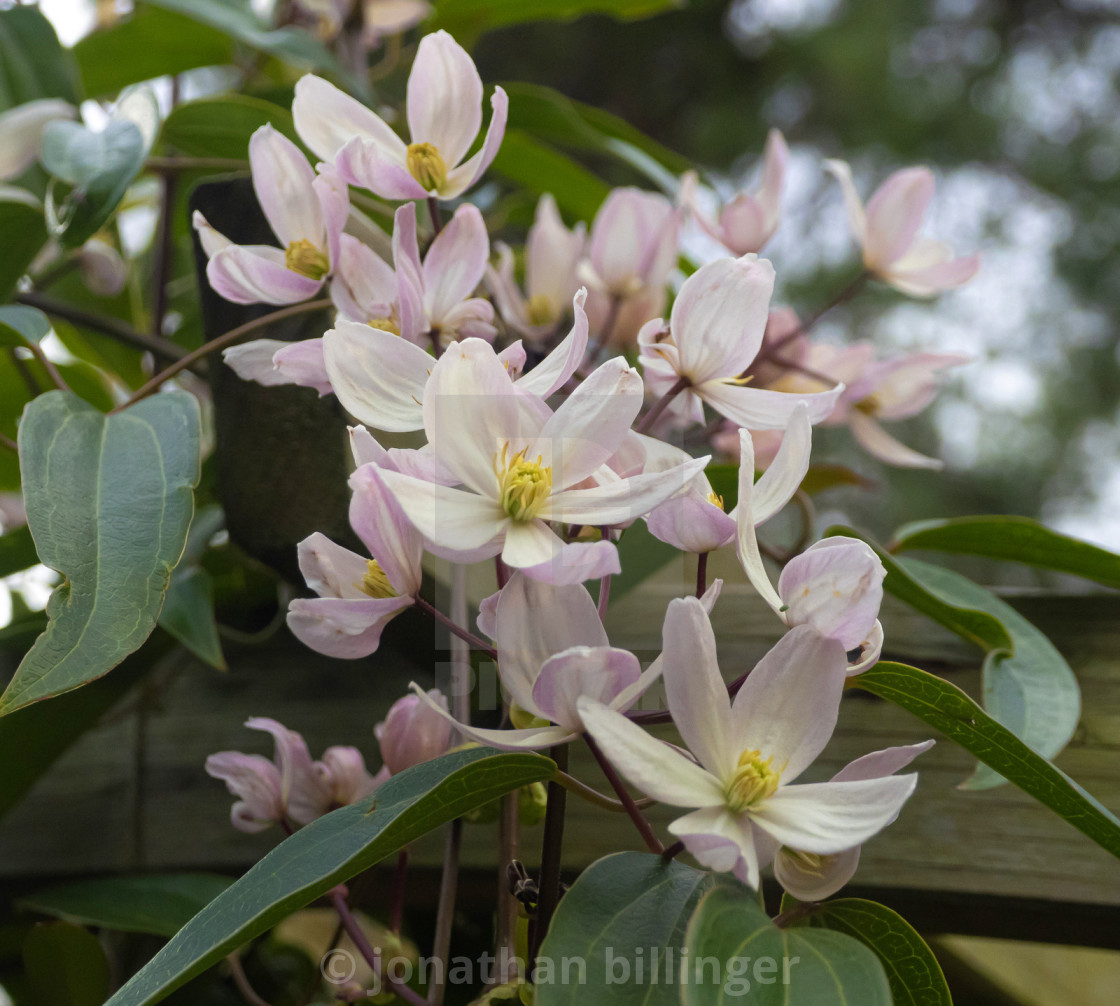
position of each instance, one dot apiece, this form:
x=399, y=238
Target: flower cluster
x=547, y=409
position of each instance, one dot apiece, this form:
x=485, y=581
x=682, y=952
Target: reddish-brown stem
x=397, y=893
x=672, y=851
x=701, y=574
x=636, y=815
x=371, y=956
x=464, y=634
x=661, y=405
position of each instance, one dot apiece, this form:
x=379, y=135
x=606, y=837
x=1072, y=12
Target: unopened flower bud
x=103, y=270
x=412, y=733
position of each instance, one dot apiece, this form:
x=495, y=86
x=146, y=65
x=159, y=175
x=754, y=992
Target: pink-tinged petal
x=212, y=241
x=385, y=531
x=624, y=238
x=720, y=841
x=784, y=476
x=378, y=377
x=416, y=729
x=691, y=523
x=720, y=315
x=757, y=409
x=882, y=763
x=830, y=817
x=601, y=673
x=256, y=781
x=420, y=464
x=455, y=262
x=815, y=881
x=252, y=361
x=750, y=558
x=455, y=520
x=472, y=412
x=334, y=203
x=906, y=385
x=444, y=97
x=555, y=369
x=344, y=770
x=775, y=157
x=843, y=174
x=878, y=442
x=409, y=274
x=933, y=279
x=788, y=705
x=470, y=319
x=742, y=225
x=583, y=433
x=624, y=500
x=529, y=739
x=255, y=274
x=302, y=363
x=552, y=254
x=282, y=180
x=657, y=769
x=695, y=689
x=327, y=118
x=487, y=620
x=513, y=358
x=869, y=652
x=343, y=627
x=836, y=586
x=470, y=171
x=894, y=214
x=577, y=561
x=530, y=543
x=329, y=569
x=507, y=295
x=302, y=790
x=364, y=286
x=367, y=165
x=534, y=620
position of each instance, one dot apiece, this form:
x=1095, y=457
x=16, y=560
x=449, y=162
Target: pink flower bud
x=343, y=770
x=412, y=732
x=835, y=586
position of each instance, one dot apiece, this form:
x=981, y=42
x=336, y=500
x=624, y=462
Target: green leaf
x=806, y=966
x=1031, y=690
x=949, y=710
x=188, y=614
x=618, y=905
x=641, y=555
x=221, y=126
x=22, y=326
x=109, y=503
x=160, y=904
x=467, y=18
x=17, y=551
x=65, y=966
x=1015, y=539
x=913, y=972
x=822, y=477
x=24, y=230
x=540, y=168
x=157, y=42
x=330, y=851
x=724, y=480
x=32, y=62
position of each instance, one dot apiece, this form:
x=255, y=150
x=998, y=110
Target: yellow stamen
x=524, y=486
x=303, y=257
x=807, y=862
x=754, y=781
x=426, y=165
x=522, y=719
x=715, y=499
x=869, y=406
x=738, y=381
x=375, y=582
x=385, y=325
x=540, y=310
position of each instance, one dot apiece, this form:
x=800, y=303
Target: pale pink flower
x=887, y=230
x=306, y=213
x=748, y=752
x=343, y=771
x=714, y=333
x=524, y=467
x=444, y=112
x=412, y=733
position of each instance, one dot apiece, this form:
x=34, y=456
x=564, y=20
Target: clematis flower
x=343, y=771
x=358, y=596
x=552, y=255
x=811, y=877
x=306, y=213
x=835, y=585
x=524, y=467
x=444, y=111
x=552, y=649
x=714, y=333
x=749, y=221
x=748, y=753
x=21, y=133
x=887, y=230
x=695, y=520
x=411, y=733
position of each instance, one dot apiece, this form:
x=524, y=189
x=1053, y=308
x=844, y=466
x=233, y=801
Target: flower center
x=303, y=257
x=715, y=499
x=385, y=325
x=754, y=781
x=540, y=309
x=375, y=582
x=870, y=405
x=522, y=719
x=524, y=485
x=426, y=165
x=807, y=862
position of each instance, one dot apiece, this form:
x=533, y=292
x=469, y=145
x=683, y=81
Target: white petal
x=747, y=543
x=815, y=883
x=784, y=476
x=282, y=180
x=720, y=841
x=455, y=262
x=470, y=171
x=554, y=370
x=758, y=409
x=877, y=441
x=451, y=518
x=531, y=739
x=444, y=97
x=600, y=672
x=624, y=500
x=327, y=118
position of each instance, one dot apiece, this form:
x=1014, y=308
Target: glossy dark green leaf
x=1015, y=539
x=25, y=233
x=949, y=710
x=17, y=551
x=221, y=126
x=541, y=168
x=774, y=967
x=157, y=42
x=21, y=326
x=32, y=62
x=822, y=477
x=330, y=851
x=469, y=17
x=109, y=502
x=915, y=976
x=619, y=905
x=160, y=904
x=188, y=614
x=65, y=966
